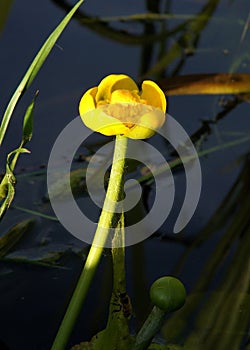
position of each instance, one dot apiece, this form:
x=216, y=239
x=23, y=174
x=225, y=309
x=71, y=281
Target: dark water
x=33, y=298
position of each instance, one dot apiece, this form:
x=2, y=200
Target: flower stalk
x=106, y=222
x=117, y=324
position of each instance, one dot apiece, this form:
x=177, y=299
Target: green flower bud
x=168, y=293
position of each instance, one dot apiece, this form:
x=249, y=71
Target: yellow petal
x=153, y=120
x=101, y=122
x=111, y=130
x=153, y=95
x=147, y=125
x=87, y=102
x=114, y=82
x=123, y=96
x=139, y=132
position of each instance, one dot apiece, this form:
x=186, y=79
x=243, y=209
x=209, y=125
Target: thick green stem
x=117, y=325
x=149, y=329
x=118, y=255
x=113, y=195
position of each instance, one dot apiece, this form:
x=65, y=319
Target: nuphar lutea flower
x=117, y=107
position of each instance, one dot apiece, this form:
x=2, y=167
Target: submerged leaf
x=13, y=236
x=77, y=182
x=220, y=83
x=5, y=6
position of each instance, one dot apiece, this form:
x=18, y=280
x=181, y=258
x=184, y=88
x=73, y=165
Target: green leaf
x=8, y=184
x=10, y=165
x=7, y=190
x=34, y=68
x=28, y=122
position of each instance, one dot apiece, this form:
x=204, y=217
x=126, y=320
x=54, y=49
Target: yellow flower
x=117, y=107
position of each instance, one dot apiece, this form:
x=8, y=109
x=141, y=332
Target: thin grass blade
x=34, y=68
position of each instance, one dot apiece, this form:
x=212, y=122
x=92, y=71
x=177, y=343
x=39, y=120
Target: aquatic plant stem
x=116, y=334
x=113, y=195
x=118, y=257
x=149, y=329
